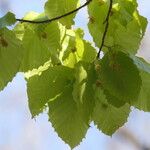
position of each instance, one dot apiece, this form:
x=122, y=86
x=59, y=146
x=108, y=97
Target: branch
x=106, y=28
x=56, y=18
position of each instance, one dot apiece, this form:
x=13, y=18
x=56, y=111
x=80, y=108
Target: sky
x=19, y=132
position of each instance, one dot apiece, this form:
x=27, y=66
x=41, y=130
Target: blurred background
x=19, y=132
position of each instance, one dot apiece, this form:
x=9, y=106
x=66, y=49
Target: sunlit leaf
x=10, y=56
x=7, y=20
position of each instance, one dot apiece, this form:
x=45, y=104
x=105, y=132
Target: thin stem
x=106, y=28
x=56, y=18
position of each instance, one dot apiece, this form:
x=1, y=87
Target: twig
x=106, y=28
x=56, y=18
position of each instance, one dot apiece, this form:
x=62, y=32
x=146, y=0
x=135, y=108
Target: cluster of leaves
x=63, y=72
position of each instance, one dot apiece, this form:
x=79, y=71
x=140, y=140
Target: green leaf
x=66, y=119
x=36, y=53
x=69, y=48
x=107, y=117
x=143, y=102
x=85, y=51
x=141, y=64
x=115, y=101
x=77, y=49
x=10, y=56
x=21, y=27
x=47, y=86
x=37, y=71
x=42, y=42
x=83, y=91
x=49, y=32
x=7, y=20
x=80, y=83
x=128, y=37
x=143, y=23
x=125, y=21
x=124, y=10
x=119, y=76
x=97, y=11
x=60, y=7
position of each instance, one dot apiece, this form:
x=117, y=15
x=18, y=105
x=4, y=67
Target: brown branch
x=56, y=18
x=106, y=28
